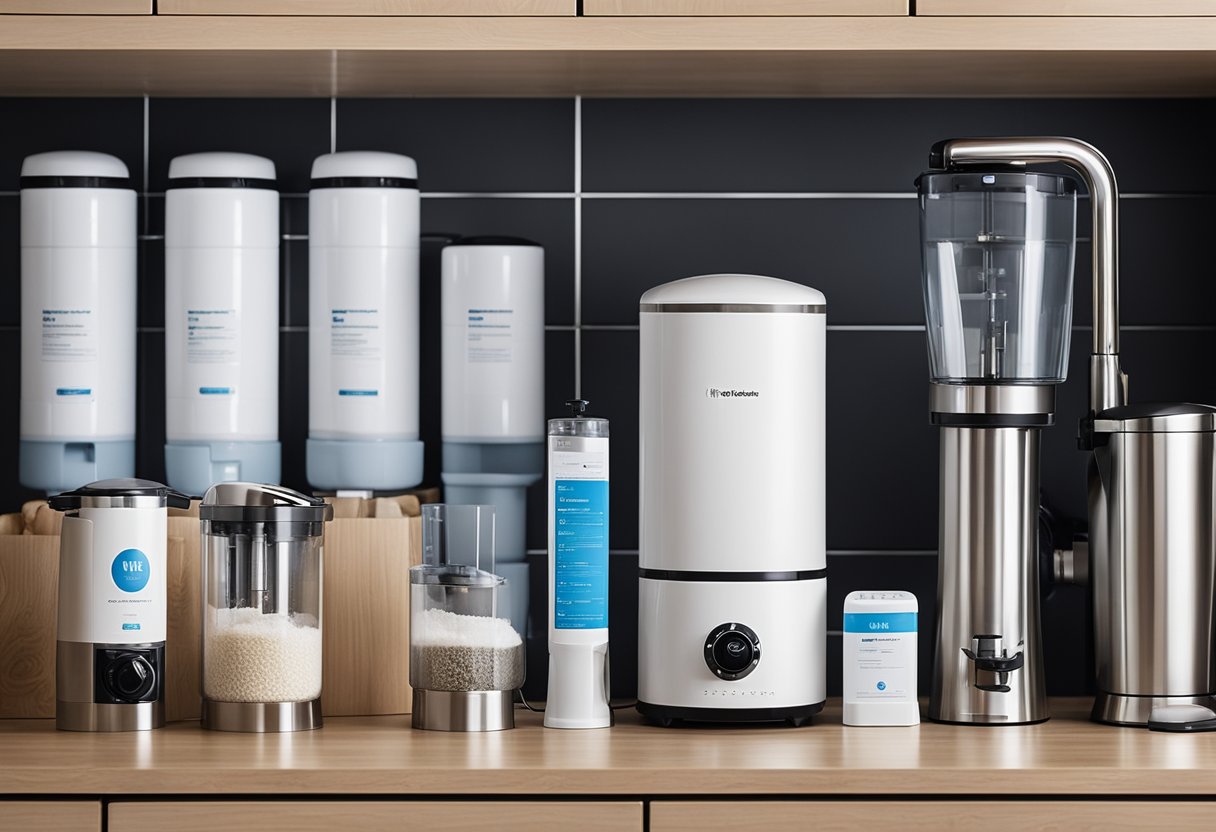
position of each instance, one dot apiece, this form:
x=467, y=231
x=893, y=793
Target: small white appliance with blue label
x=880, y=658
x=110, y=641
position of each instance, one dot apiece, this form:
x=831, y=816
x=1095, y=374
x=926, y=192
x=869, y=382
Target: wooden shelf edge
x=608, y=56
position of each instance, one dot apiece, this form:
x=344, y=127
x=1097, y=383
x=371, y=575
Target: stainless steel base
x=443, y=710
x=261, y=717
x=89, y=716
x=1132, y=711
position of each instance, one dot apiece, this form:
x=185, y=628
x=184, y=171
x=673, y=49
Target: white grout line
x=921, y=328
x=147, y=153
x=497, y=195
x=751, y=195
x=578, y=246
x=631, y=195
x=830, y=552
x=333, y=124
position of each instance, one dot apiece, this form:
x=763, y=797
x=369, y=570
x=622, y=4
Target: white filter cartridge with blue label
x=578, y=572
x=880, y=658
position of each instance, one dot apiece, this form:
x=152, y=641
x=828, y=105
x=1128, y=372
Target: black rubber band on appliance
x=363, y=182
x=75, y=182
x=730, y=577
x=222, y=182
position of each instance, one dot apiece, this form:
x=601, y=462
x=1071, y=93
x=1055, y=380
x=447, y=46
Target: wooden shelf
x=607, y=56
x=1068, y=755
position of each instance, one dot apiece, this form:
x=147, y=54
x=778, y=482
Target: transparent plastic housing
x=261, y=611
x=458, y=641
x=997, y=263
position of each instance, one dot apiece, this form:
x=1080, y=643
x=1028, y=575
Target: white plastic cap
x=734, y=288
x=364, y=163
x=233, y=165
x=578, y=686
x=74, y=163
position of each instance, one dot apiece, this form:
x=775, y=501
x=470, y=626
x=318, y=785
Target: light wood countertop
x=382, y=755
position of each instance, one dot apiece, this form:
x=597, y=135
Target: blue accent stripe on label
x=880, y=622
x=358, y=392
x=73, y=391
x=215, y=391
x=130, y=626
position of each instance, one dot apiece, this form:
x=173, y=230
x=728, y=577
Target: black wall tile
x=12, y=494
x=151, y=288
x=549, y=222
x=293, y=283
x=38, y=125
x=293, y=407
x=469, y=144
x=831, y=145
x=150, y=406
x=10, y=260
x=862, y=254
x=289, y=131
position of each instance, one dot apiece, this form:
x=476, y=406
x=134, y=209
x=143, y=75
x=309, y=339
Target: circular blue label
x=130, y=570
x=882, y=685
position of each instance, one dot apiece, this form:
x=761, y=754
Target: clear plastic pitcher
x=997, y=262
x=458, y=641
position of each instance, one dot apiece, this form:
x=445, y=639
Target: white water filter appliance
x=221, y=321
x=493, y=380
x=733, y=581
x=77, y=320
x=110, y=640
x=579, y=684
x=363, y=323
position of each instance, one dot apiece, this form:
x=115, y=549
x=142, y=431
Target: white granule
x=251, y=657
x=440, y=628
x=449, y=651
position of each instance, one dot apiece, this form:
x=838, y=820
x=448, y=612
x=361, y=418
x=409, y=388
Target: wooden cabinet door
x=710, y=8
x=51, y=816
x=376, y=816
x=934, y=816
x=1067, y=8
x=75, y=6
x=438, y=8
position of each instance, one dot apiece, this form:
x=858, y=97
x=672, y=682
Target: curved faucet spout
x=1107, y=384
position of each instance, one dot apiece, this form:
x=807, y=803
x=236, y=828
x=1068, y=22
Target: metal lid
x=996, y=178
x=1170, y=417
x=578, y=423
x=120, y=493
x=257, y=503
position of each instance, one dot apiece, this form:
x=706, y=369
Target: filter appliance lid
x=74, y=169
x=733, y=293
x=1172, y=417
x=364, y=169
x=239, y=502
x=221, y=170
x=120, y=493
x=494, y=241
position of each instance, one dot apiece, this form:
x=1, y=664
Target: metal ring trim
x=787, y=308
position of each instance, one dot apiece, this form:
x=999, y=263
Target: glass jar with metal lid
x=261, y=587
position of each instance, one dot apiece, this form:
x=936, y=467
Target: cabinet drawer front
x=852, y=8
x=1067, y=8
x=47, y=816
x=75, y=6
x=932, y=816
x=438, y=8
x=375, y=816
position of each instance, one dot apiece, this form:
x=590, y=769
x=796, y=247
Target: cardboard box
x=369, y=547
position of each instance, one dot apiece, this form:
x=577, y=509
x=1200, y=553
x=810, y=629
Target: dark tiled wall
x=628, y=194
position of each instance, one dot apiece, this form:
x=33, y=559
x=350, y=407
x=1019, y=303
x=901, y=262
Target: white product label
x=882, y=649
x=355, y=333
x=578, y=465
x=488, y=336
x=69, y=334
x=213, y=336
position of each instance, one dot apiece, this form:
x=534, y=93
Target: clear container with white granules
x=466, y=660
x=261, y=586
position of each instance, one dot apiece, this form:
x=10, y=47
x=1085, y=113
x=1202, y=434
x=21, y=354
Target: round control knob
x=130, y=677
x=732, y=651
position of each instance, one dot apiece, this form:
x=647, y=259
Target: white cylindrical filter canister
x=578, y=572
x=221, y=321
x=363, y=323
x=880, y=658
x=493, y=380
x=77, y=320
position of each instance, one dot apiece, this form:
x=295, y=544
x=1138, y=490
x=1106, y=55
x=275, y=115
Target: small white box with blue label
x=880, y=658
